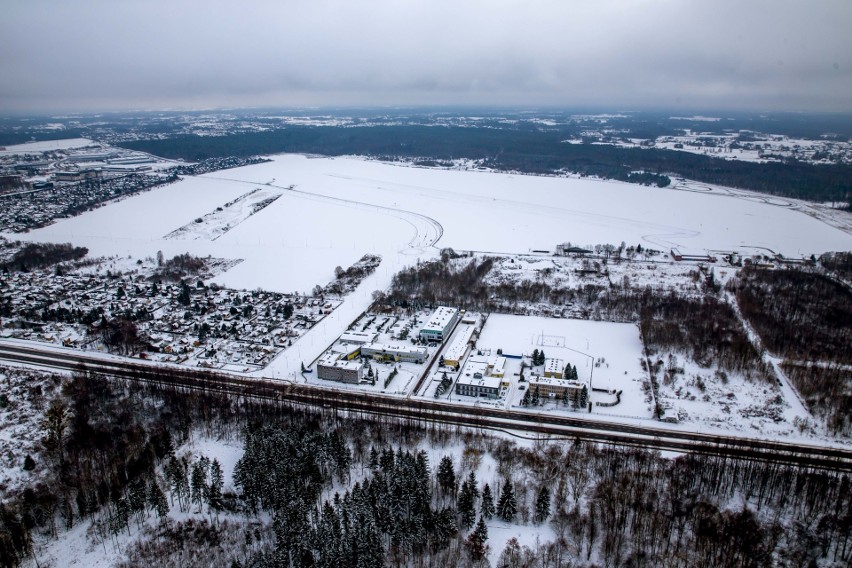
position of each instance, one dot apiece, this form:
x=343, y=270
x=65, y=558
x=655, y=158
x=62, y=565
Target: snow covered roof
x=553, y=365
x=331, y=360
x=459, y=344
x=440, y=318
x=484, y=381
x=358, y=337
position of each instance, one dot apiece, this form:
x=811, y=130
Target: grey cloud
x=92, y=54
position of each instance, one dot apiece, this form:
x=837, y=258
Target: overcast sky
x=714, y=54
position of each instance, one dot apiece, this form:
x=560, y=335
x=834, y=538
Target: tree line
x=527, y=150
x=799, y=314
x=41, y=255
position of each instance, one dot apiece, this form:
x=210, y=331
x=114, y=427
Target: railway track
x=436, y=412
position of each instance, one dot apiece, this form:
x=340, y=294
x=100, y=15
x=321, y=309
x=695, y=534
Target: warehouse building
x=358, y=337
x=440, y=324
x=458, y=348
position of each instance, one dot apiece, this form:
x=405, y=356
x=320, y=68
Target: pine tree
x=374, y=459
x=476, y=540
x=137, y=499
x=507, y=506
x=471, y=479
x=445, y=527
x=584, y=397
x=534, y=357
x=541, y=357
x=217, y=480
x=481, y=530
x=467, y=504
x=121, y=518
x=387, y=460
x=542, y=505
x=198, y=484
x=447, y=476
x=486, y=508
x=565, y=398
x=176, y=475
x=534, y=401
x=527, y=400
x=157, y=500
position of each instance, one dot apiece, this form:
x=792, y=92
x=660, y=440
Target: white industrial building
x=458, y=348
x=440, y=324
x=358, y=337
x=478, y=385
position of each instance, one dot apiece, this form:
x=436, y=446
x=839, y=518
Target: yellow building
x=553, y=368
x=555, y=388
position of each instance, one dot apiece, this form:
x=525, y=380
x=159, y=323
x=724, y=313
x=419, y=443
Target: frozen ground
x=48, y=145
x=342, y=208
x=515, y=213
x=226, y=216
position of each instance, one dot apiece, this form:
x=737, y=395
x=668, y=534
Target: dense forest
x=40, y=255
x=315, y=488
x=799, y=315
x=806, y=318
x=526, y=150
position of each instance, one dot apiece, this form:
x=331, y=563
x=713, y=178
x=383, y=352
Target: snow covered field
x=515, y=213
x=344, y=207
x=47, y=145
x=225, y=217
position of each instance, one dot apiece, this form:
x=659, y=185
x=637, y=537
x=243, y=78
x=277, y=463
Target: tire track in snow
x=552, y=211
x=427, y=231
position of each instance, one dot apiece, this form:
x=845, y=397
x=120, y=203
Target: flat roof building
x=482, y=376
x=553, y=368
x=555, y=388
x=478, y=385
x=495, y=365
x=457, y=349
x=359, y=337
x=331, y=368
x=346, y=350
x=388, y=352
x=440, y=324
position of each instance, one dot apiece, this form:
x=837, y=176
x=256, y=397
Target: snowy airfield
x=341, y=208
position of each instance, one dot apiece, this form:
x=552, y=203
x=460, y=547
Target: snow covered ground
x=66, y=144
x=344, y=207
x=226, y=216
x=514, y=213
